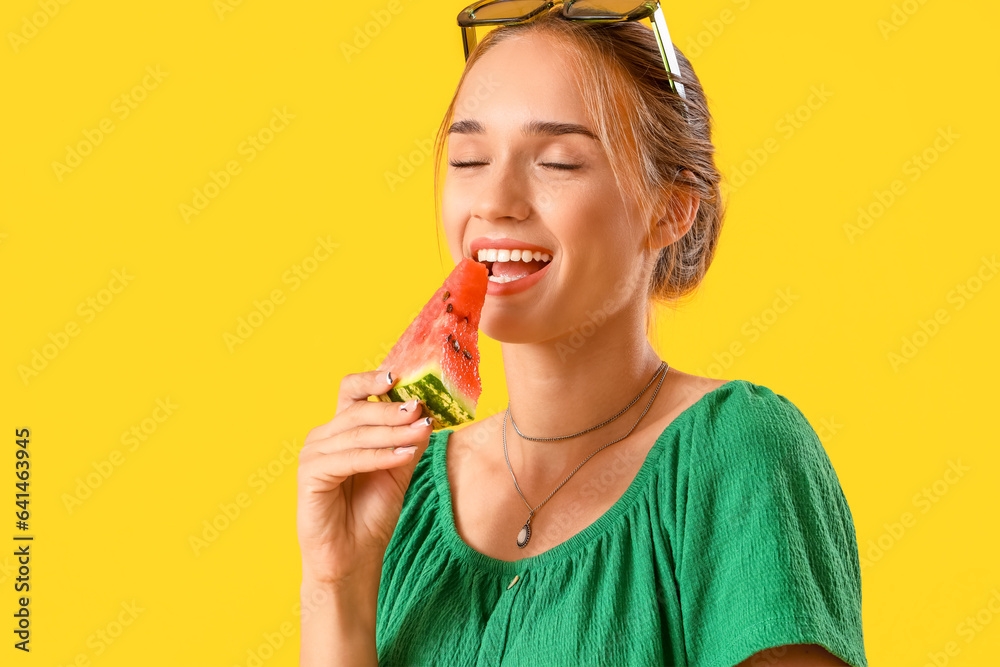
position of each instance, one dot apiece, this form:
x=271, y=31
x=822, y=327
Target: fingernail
x=426, y=421
x=388, y=377
x=405, y=450
x=409, y=405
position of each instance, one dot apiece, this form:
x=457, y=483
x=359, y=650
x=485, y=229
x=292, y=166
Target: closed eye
x=560, y=165
x=553, y=165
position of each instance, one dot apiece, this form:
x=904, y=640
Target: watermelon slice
x=437, y=357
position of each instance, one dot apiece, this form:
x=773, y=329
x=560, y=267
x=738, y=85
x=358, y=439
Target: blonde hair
x=641, y=123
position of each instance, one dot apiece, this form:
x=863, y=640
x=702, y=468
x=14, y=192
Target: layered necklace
x=525, y=534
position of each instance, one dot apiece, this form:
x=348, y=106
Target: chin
x=507, y=329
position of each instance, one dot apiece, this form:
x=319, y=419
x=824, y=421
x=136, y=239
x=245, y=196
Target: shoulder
x=470, y=441
x=764, y=528
x=749, y=421
x=758, y=454
x=741, y=403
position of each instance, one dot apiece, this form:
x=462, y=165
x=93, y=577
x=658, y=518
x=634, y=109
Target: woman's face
x=548, y=189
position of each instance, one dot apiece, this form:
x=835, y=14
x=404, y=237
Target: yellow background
x=895, y=74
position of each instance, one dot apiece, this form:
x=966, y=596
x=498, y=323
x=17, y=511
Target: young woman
x=620, y=511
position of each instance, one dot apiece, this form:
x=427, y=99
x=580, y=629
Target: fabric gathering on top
x=735, y=536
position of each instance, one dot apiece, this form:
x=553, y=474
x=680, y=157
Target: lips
x=518, y=274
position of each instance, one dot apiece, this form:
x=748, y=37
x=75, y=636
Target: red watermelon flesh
x=437, y=358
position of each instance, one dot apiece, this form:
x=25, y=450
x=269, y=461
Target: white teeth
x=503, y=255
x=499, y=255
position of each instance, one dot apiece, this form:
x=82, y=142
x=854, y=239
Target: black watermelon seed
x=446, y=295
x=468, y=355
x=466, y=320
x=454, y=344
x=450, y=307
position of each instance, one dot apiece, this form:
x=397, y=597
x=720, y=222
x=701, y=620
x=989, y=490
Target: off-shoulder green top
x=734, y=537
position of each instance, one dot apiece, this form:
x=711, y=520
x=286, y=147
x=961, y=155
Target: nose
x=504, y=195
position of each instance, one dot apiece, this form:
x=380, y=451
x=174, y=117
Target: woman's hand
x=351, y=483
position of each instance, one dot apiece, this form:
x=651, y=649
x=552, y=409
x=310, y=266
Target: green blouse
x=734, y=536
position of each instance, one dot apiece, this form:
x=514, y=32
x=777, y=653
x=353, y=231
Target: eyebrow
x=532, y=128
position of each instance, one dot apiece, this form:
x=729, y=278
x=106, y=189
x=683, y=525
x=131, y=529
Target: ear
x=677, y=214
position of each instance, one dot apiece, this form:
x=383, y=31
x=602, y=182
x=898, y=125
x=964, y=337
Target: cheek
x=449, y=203
x=593, y=223
x=454, y=221
x=454, y=203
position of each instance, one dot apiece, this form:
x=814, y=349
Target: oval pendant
x=524, y=535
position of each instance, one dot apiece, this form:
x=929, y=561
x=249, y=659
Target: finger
x=323, y=473
x=359, y=386
x=369, y=436
x=354, y=388
x=378, y=413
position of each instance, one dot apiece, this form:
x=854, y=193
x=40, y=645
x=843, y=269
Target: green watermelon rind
x=445, y=407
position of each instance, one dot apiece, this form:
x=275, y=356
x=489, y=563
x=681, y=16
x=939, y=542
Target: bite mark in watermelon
x=437, y=357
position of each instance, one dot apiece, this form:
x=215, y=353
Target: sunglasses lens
x=508, y=9
x=604, y=7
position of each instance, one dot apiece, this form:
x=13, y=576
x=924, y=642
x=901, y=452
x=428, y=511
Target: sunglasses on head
x=487, y=13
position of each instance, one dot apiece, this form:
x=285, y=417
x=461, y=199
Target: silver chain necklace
x=592, y=428
x=525, y=533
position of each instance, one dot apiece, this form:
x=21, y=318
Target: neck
x=567, y=385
